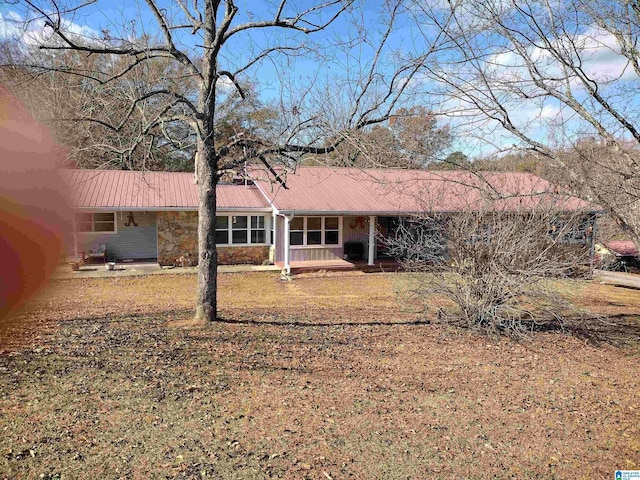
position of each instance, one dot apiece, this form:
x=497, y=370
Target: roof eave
x=173, y=209
x=394, y=213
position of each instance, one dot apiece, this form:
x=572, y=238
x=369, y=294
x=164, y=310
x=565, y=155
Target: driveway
x=617, y=278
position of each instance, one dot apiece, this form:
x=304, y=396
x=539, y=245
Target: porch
x=325, y=242
x=380, y=264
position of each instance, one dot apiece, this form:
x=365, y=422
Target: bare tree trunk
x=206, y=166
x=207, y=179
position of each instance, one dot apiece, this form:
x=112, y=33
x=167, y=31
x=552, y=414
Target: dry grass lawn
x=324, y=377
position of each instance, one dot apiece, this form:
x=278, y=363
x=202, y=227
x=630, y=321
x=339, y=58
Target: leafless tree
x=218, y=45
x=85, y=116
x=490, y=270
x=412, y=138
x=544, y=76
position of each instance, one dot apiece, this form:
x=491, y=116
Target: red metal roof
x=622, y=247
x=240, y=196
x=343, y=190
x=320, y=190
x=125, y=189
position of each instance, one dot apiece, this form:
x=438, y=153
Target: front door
x=386, y=227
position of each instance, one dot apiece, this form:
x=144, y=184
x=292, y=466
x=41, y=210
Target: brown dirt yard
x=324, y=377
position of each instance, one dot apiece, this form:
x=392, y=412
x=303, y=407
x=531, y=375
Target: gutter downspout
x=274, y=229
x=75, y=239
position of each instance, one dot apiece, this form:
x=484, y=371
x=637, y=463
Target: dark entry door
x=386, y=227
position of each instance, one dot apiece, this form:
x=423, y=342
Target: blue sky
x=127, y=19
x=326, y=67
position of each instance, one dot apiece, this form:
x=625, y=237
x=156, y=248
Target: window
x=102, y=222
x=582, y=231
x=310, y=231
x=222, y=229
x=331, y=230
x=297, y=231
x=257, y=229
x=314, y=231
x=571, y=230
x=240, y=229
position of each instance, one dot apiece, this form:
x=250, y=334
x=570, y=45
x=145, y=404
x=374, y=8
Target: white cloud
x=539, y=116
x=83, y=31
x=10, y=25
x=33, y=32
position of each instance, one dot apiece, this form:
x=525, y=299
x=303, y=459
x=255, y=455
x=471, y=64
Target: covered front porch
x=331, y=242
x=380, y=264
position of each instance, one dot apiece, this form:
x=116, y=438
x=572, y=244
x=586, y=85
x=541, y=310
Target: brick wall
x=178, y=236
x=253, y=255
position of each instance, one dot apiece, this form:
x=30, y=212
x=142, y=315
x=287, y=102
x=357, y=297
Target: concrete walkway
x=629, y=280
x=148, y=268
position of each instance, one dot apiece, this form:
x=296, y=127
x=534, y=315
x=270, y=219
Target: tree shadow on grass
x=616, y=330
x=292, y=322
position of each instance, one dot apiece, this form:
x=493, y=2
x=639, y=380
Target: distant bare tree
x=86, y=114
x=410, y=138
x=542, y=76
x=519, y=161
x=493, y=266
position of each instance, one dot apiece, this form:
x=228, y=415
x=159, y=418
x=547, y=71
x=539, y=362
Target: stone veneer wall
x=253, y=255
x=177, y=236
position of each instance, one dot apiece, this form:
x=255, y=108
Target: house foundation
x=252, y=255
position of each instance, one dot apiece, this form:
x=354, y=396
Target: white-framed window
x=257, y=229
x=222, y=230
x=331, y=232
x=312, y=231
x=296, y=231
x=240, y=230
x=95, y=222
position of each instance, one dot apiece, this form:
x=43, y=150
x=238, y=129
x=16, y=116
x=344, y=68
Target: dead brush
x=493, y=267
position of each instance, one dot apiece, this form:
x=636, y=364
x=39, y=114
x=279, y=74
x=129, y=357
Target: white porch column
x=272, y=241
x=372, y=239
x=287, y=253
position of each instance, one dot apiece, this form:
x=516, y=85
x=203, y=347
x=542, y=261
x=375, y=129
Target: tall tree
x=217, y=45
x=454, y=161
x=411, y=138
x=93, y=118
x=544, y=76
